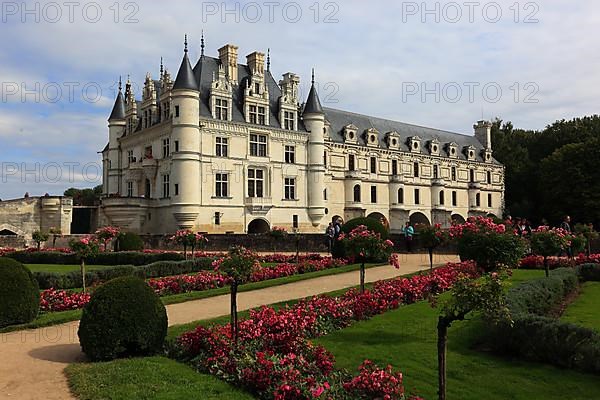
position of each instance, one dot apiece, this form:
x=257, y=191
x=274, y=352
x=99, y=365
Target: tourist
x=408, y=231
x=337, y=227
x=566, y=226
x=330, y=233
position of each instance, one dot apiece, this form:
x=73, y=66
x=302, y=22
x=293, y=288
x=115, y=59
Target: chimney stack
x=483, y=133
x=256, y=63
x=228, y=55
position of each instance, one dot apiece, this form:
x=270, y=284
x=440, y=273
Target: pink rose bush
x=106, y=234
x=275, y=359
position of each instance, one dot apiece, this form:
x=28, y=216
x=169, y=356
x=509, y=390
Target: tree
x=39, y=237
x=365, y=245
x=84, y=248
x=548, y=242
x=430, y=237
x=85, y=197
x=467, y=296
x=587, y=230
x=187, y=238
x=237, y=266
x=106, y=234
x=56, y=233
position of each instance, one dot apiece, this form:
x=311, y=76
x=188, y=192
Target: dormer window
x=372, y=137
x=452, y=149
x=350, y=132
x=434, y=147
x=487, y=155
x=469, y=152
x=221, y=109
x=289, y=118
x=414, y=143
x=257, y=114
x=393, y=140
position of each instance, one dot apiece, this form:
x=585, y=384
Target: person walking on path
x=408, y=231
x=566, y=226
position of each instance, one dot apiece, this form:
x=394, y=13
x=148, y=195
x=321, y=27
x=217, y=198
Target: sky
x=438, y=64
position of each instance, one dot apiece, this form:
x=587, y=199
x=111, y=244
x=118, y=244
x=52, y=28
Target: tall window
x=454, y=199
x=221, y=146
x=373, y=194
x=221, y=108
x=489, y=177
x=417, y=196
x=435, y=172
x=478, y=200
x=489, y=200
x=401, y=196
x=221, y=185
x=324, y=194
x=325, y=158
x=453, y=173
x=130, y=158
x=351, y=166
x=289, y=154
x=253, y=114
x=255, y=182
x=416, y=170
x=129, y=189
x=295, y=221
x=357, y=193
x=166, y=147
x=442, y=198
x=176, y=145
x=165, y=182
x=257, y=114
x=373, y=165
x=472, y=175
x=394, y=167
x=288, y=120
x=258, y=145
x=289, y=188
x=262, y=115
x=217, y=218
x=176, y=111
x=176, y=189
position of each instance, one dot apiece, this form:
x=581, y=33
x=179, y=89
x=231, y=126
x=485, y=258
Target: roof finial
x=268, y=59
x=161, y=67
x=185, y=49
x=120, y=85
x=313, y=77
x=202, y=44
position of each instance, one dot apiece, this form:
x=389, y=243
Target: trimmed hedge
x=70, y=280
x=19, y=293
x=123, y=318
x=588, y=272
x=107, y=258
x=372, y=224
x=535, y=336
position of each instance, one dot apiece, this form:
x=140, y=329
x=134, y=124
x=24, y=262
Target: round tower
x=185, y=143
x=110, y=157
x=314, y=121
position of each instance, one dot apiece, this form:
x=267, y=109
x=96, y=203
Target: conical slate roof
x=118, y=111
x=313, y=104
x=185, y=77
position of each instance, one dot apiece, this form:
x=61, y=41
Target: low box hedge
x=535, y=336
x=70, y=280
x=106, y=258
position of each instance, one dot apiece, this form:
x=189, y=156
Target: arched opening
x=381, y=218
x=258, y=226
x=401, y=196
x=419, y=219
x=357, y=193
x=457, y=219
x=7, y=232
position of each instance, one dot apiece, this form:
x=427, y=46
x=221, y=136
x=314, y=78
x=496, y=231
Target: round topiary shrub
x=19, y=293
x=129, y=241
x=123, y=318
x=371, y=223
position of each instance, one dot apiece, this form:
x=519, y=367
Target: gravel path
x=32, y=361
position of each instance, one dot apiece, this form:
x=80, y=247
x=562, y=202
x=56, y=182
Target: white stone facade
x=225, y=148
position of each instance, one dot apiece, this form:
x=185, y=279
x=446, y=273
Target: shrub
x=102, y=258
x=372, y=224
x=123, y=318
x=19, y=293
x=588, y=272
x=536, y=337
x=129, y=241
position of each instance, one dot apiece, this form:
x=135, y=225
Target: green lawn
x=585, y=310
x=406, y=339
x=62, y=268
x=155, y=378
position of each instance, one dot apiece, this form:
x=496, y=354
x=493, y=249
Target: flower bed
x=275, y=359
x=204, y=280
x=537, y=262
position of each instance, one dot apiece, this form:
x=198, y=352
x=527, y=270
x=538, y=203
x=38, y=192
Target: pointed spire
x=118, y=110
x=202, y=44
x=120, y=83
x=269, y=59
x=313, y=104
x=185, y=77
x=161, y=67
